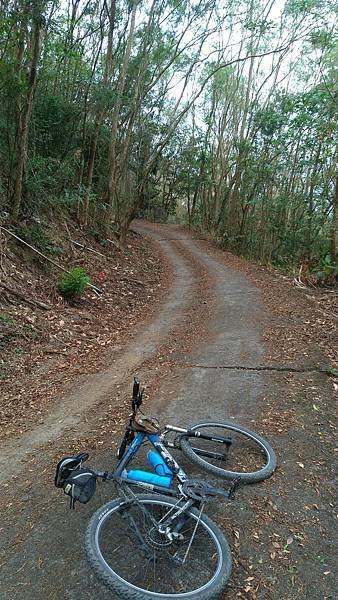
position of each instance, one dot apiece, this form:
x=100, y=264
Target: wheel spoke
x=148, y=559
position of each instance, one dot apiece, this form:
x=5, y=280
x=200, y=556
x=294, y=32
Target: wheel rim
x=158, y=576
x=248, y=455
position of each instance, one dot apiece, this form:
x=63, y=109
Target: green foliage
x=327, y=273
x=294, y=7
x=99, y=235
x=36, y=236
x=243, y=155
x=7, y=320
x=73, y=283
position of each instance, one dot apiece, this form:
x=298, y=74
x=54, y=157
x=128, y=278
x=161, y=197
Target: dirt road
x=202, y=357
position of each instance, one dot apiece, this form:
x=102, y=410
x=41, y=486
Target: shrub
x=8, y=330
x=73, y=284
x=327, y=272
x=34, y=235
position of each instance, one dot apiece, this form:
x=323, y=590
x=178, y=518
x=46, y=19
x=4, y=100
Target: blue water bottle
x=157, y=463
x=146, y=477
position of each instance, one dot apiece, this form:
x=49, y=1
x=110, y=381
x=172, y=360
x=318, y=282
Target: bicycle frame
x=159, y=446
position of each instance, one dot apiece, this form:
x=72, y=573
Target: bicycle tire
x=125, y=589
x=246, y=476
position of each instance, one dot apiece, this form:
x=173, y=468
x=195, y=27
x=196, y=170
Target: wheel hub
x=156, y=539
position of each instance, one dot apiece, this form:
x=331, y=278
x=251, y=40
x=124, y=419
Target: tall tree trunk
x=101, y=110
x=333, y=249
x=111, y=187
x=310, y=205
x=25, y=116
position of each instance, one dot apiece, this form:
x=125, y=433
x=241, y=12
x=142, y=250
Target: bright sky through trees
x=224, y=109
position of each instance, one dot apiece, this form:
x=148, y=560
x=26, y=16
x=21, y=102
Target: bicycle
x=177, y=551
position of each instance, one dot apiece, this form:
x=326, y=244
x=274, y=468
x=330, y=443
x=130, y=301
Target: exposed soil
x=280, y=531
x=43, y=351
x=300, y=322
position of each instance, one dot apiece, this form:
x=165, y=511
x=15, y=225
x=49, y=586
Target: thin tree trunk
x=24, y=120
x=333, y=249
x=310, y=200
x=101, y=110
x=111, y=187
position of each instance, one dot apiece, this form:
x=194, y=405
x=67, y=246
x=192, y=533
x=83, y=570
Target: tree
x=30, y=30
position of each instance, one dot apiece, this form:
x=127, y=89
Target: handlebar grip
x=136, y=388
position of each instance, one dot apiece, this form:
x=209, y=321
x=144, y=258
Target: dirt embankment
x=45, y=341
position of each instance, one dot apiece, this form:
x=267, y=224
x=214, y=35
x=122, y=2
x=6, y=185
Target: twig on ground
x=87, y=248
x=24, y=297
x=115, y=243
x=70, y=238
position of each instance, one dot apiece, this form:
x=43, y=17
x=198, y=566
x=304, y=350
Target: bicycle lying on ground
x=162, y=545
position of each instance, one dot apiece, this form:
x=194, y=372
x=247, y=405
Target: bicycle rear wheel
x=241, y=453
x=135, y=561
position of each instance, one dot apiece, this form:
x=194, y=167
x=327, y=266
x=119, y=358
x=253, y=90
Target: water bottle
x=146, y=477
x=157, y=463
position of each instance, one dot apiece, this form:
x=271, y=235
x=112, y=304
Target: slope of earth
x=201, y=356
x=45, y=341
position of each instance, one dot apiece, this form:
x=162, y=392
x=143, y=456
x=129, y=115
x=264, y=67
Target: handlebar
x=136, y=387
x=137, y=395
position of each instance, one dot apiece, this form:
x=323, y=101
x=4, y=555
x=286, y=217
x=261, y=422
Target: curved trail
x=41, y=549
x=200, y=392
x=96, y=389
x=55, y=540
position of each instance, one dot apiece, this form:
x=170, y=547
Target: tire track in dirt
x=280, y=530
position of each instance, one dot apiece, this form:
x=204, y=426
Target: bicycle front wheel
x=228, y=450
x=132, y=558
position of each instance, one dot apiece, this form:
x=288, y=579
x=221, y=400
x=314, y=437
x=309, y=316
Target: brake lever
x=136, y=387
x=83, y=456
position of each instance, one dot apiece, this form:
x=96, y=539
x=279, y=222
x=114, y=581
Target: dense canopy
x=222, y=113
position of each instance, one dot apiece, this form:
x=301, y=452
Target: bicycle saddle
x=145, y=424
x=66, y=466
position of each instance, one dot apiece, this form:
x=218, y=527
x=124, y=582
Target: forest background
x=220, y=113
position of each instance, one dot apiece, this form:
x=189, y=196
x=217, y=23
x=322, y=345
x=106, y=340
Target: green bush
x=327, y=272
x=8, y=330
x=73, y=284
